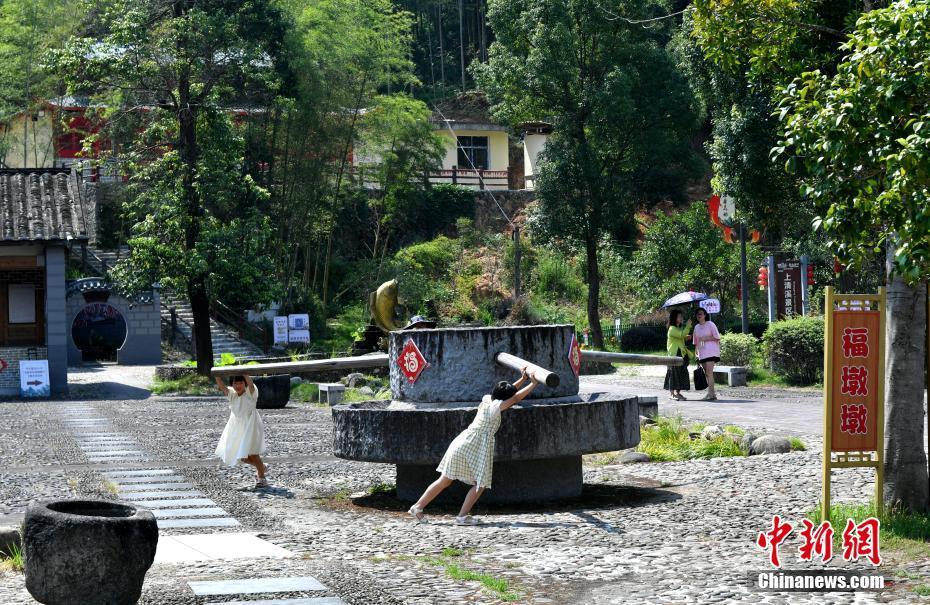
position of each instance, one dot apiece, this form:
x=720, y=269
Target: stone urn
x=273, y=391
x=92, y=552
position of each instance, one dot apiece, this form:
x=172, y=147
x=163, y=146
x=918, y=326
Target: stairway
x=225, y=340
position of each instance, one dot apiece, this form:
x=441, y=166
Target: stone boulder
x=711, y=431
x=770, y=444
x=10, y=540
x=366, y=391
x=296, y=380
x=745, y=440
x=355, y=380
x=632, y=457
x=92, y=552
x=646, y=421
x=173, y=372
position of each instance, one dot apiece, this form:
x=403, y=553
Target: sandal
x=466, y=520
x=261, y=484
x=417, y=514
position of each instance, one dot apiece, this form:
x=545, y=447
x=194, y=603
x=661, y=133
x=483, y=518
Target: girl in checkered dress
x=470, y=457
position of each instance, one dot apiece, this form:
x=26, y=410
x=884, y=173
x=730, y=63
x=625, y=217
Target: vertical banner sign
x=854, y=386
x=788, y=288
x=280, y=330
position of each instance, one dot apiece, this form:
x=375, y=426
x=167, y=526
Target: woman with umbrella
x=676, y=377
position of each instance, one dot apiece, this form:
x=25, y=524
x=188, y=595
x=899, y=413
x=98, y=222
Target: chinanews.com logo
x=859, y=542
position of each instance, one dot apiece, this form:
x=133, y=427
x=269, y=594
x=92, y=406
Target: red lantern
x=810, y=274
x=763, y=279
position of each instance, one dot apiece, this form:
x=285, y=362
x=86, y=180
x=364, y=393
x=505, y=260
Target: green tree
x=860, y=137
x=400, y=149
x=621, y=109
x=684, y=251
x=29, y=29
x=175, y=65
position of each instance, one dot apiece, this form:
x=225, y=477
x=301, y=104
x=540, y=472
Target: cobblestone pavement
x=647, y=533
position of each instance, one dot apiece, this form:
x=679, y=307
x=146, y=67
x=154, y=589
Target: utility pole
x=517, y=253
x=743, y=279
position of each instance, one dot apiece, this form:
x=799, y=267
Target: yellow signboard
x=854, y=387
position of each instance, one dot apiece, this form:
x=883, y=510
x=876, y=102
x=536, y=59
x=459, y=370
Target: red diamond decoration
x=574, y=356
x=411, y=362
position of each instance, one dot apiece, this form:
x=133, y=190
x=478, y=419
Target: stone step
x=255, y=586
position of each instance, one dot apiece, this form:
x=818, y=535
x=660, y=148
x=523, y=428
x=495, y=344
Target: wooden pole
x=880, y=425
x=654, y=360
x=550, y=379
x=827, y=402
x=315, y=365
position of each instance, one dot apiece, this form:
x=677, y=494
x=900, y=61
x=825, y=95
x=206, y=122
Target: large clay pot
x=273, y=391
x=92, y=552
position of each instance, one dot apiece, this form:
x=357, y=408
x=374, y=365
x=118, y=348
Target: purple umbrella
x=684, y=298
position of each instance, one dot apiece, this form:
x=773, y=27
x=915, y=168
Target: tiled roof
x=40, y=206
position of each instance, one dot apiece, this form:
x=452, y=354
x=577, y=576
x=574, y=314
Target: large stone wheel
x=92, y=552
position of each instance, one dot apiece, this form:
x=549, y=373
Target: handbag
x=700, y=378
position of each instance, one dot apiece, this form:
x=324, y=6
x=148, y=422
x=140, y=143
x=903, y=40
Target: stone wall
x=9, y=377
x=143, y=330
x=488, y=216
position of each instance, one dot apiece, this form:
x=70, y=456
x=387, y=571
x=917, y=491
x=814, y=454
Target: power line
x=615, y=17
x=471, y=163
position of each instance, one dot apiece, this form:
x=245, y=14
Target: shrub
x=558, y=279
x=737, y=349
x=643, y=338
x=432, y=258
x=794, y=349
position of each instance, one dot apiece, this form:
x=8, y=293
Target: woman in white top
x=470, y=457
x=243, y=439
x=707, y=345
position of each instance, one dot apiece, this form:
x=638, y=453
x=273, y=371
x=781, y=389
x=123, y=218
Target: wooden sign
x=788, y=288
x=854, y=386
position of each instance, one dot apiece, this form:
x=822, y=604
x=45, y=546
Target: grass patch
x=191, y=384
x=355, y=396
x=110, y=486
x=499, y=586
x=797, y=445
x=381, y=488
x=601, y=459
x=901, y=531
x=14, y=562
x=922, y=591
x=669, y=440
x=761, y=376
x=305, y=392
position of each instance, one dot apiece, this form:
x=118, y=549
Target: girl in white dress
x=470, y=457
x=243, y=439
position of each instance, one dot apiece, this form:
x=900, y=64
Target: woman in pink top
x=707, y=345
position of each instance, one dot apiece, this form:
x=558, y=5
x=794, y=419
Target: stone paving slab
x=191, y=523
x=165, y=513
x=255, y=586
x=141, y=472
x=146, y=479
x=165, y=494
x=107, y=453
x=304, y=601
x=207, y=547
x=174, y=503
x=149, y=487
x=115, y=459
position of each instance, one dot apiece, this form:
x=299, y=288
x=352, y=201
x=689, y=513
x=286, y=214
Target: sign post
x=854, y=388
x=33, y=378
x=787, y=284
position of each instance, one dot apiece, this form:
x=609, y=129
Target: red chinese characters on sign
x=817, y=541
x=853, y=419
x=854, y=380
x=772, y=538
x=574, y=356
x=862, y=541
x=855, y=342
x=411, y=362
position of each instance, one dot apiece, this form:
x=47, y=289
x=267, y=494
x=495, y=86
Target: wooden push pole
x=550, y=379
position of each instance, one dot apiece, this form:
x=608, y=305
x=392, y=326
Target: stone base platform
x=513, y=482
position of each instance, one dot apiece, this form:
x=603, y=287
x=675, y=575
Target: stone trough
x=540, y=442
